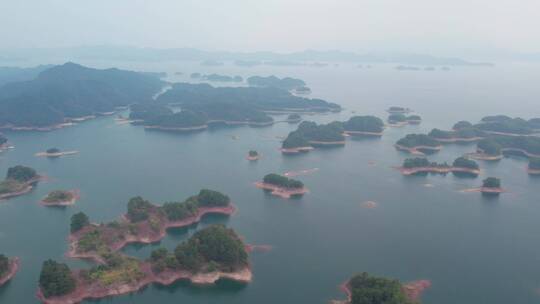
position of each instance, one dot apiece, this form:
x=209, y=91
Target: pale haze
x=424, y=26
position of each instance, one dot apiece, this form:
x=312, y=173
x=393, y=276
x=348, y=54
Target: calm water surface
x=473, y=249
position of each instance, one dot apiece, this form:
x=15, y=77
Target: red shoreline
x=280, y=191
x=413, y=290
x=13, y=269
x=76, y=196
x=296, y=150
x=29, y=186
x=411, y=171
x=458, y=139
x=416, y=150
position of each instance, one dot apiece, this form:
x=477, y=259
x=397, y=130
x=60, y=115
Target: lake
x=473, y=249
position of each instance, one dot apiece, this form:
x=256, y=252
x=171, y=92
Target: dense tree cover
x=21, y=174
x=194, y=96
x=215, y=246
x=491, y=182
x=295, y=139
x=302, y=90
x=53, y=150
x=148, y=111
x=496, y=118
x=253, y=153
x=364, y=124
x=462, y=125
x=71, y=90
x=58, y=196
x=3, y=139
x=206, y=198
x=534, y=163
x=282, y=181
x=4, y=265
x=489, y=146
x=462, y=162
x=367, y=289
x=395, y=109
x=415, y=140
x=138, y=209
x=118, y=269
x=419, y=162
x=414, y=118
x=223, y=78
x=211, y=198
x=309, y=131
x=286, y=83
x=56, y=279
x=534, y=123
x=505, y=124
x=527, y=143
x=395, y=118
x=78, y=221
x=458, y=133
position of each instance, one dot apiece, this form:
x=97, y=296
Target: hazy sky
x=427, y=26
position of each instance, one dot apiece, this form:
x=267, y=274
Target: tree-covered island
x=534, y=166
x=505, y=125
x=418, y=144
x=286, y=83
x=19, y=180
x=461, y=135
x=212, y=253
x=61, y=198
x=3, y=142
x=144, y=222
x=364, y=126
x=55, y=152
x=282, y=186
x=491, y=186
x=460, y=167
x=222, y=78
x=367, y=289
x=8, y=268
x=294, y=118
x=253, y=155
x=309, y=135
x=398, y=110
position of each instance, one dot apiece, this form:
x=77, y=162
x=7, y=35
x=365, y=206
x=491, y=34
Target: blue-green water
x=473, y=249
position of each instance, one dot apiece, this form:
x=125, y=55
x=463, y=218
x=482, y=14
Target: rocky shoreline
x=363, y=133
x=412, y=290
x=458, y=139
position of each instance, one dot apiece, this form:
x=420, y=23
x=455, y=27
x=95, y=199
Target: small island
x=144, y=222
x=310, y=135
x=419, y=144
x=505, y=125
x=8, y=268
x=364, y=126
x=367, y=289
x=460, y=135
x=398, y=110
x=55, y=152
x=253, y=155
x=19, y=180
x=61, y=198
x=491, y=186
x=460, y=167
x=282, y=186
x=294, y=118
x=211, y=254
x=534, y=166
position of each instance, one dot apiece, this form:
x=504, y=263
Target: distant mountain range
x=243, y=58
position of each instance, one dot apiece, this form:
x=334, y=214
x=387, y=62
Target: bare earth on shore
x=56, y=154
x=75, y=196
x=296, y=150
x=301, y=172
x=280, y=191
x=484, y=190
x=416, y=150
x=413, y=291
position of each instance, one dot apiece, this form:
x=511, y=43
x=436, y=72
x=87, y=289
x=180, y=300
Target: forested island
x=212, y=253
x=491, y=186
x=493, y=147
x=309, y=134
x=71, y=92
x=282, y=186
x=461, y=135
x=144, y=222
x=286, y=83
x=364, y=126
x=253, y=155
x=367, y=289
x=399, y=120
x=534, y=166
x=460, y=167
x=61, y=198
x=3, y=142
x=505, y=125
x=55, y=152
x=8, y=268
x=19, y=180
x=398, y=110
x=418, y=144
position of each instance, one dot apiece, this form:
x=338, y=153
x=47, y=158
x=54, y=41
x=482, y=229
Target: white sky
x=427, y=26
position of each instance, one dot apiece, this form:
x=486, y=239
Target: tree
x=53, y=150
x=78, y=221
x=56, y=279
x=462, y=162
x=138, y=209
x=462, y=125
x=282, y=181
x=21, y=174
x=210, y=198
x=489, y=146
x=4, y=265
x=491, y=182
x=367, y=289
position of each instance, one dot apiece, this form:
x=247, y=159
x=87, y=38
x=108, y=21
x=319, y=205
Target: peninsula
x=367, y=289
x=460, y=167
x=419, y=144
x=55, y=152
x=19, y=180
x=282, y=186
x=212, y=253
x=61, y=198
x=8, y=268
x=144, y=222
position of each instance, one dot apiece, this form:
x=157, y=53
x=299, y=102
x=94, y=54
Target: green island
x=253, y=155
x=212, y=253
x=491, y=186
x=70, y=92
x=286, y=83
x=368, y=289
x=534, y=166
x=19, y=180
x=8, y=268
x=364, y=126
x=398, y=110
x=282, y=186
x=462, y=124
x=222, y=78
x=457, y=135
x=55, y=152
x=418, y=144
x=400, y=119
x=309, y=135
x=144, y=222
x=505, y=125
x=493, y=147
x=460, y=167
x=61, y=198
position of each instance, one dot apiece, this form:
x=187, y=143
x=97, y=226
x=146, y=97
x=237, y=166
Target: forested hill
x=71, y=90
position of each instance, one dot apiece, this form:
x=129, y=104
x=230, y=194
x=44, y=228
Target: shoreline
x=76, y=195
x=365, y=133
x=29, y=185
x=86, y=291
x=440, y=170
x=413, y=291
x=327, y=143
x=147, y=237
x=533, y=171
x=483, y=156
x=57, y=154
x=528, y=154
x=458, y=139
x=253, y=158
x=281, y=191
x=184, y=129
x=14, y=265
x=296, y=150
x=486, y=190
x=416, y=149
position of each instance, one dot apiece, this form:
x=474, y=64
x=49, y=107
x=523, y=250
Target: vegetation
x=21, y=174
x=56, y=279
x=222, y=78
x=462, y=162
x=491, y=182
x=71, y=90
x=58, y=196
x=3, y=139
x=294, y=117
x=183, y=119
x=78, y=221
x=138, y=209
x=118, y=269
x=367, y=289
x=286, y=83
x=395, y=109
x=364, y=124
x=462, y=125
x=420, y=162
x=53, y=150
x=309, y=131
x=253, y=153
x=415, y=140
x=282, y=181
x=505, y=124
x=148, y=112
x=4, y=265
x=489, y=146
x=397, y=118
x=414, y=118
x=527, y=143
x=534, y=164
